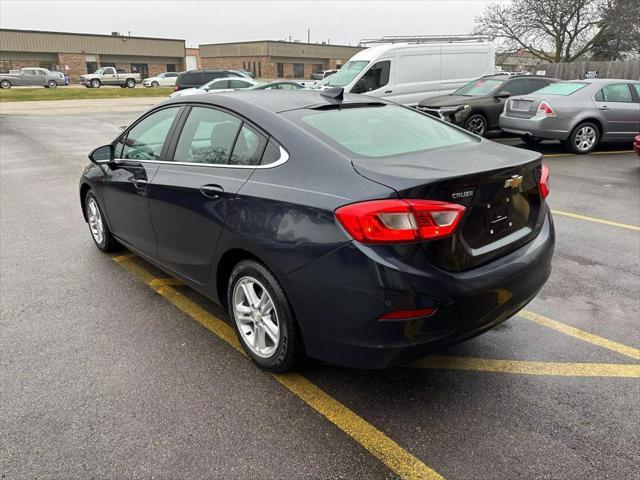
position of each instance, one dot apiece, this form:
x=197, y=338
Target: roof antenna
x=335, y=93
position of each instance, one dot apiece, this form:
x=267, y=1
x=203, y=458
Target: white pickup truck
x=110, y=76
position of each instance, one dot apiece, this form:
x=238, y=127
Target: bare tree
x=551, y=30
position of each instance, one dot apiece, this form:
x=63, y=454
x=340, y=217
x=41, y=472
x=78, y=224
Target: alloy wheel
x=256, y=317
x=95, y=221
x=585, y=138
x=476, y=125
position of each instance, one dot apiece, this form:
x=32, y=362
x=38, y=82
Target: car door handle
x=139, y=182
x=603, y=107
x=211, y=191
x=388, y=91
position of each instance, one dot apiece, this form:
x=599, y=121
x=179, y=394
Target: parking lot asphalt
x=111, y=370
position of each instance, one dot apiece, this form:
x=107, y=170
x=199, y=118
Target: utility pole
x=308, y=35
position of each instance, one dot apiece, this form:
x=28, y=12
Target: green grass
x=67, y=93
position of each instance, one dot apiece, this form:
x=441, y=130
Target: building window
x=298, y=70
x=141, y=68
x=259, y=70
x=5, y=66
x=92, y=67
x=171, y=67
x=280, y=70
x=316, y=67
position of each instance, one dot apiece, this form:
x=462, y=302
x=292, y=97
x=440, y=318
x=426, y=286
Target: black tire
x=476, y=123
x=95, y=83
x=131, y=83
x=108, y=243
x=289, y=349
x=531, y=141
x=52, y=84
x=155, y=84
x=5, y=84
x=584, y=138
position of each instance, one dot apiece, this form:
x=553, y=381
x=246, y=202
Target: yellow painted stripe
x=581, y=334
x=596, y=220
x=612, y=152
x=376, y=442
x=529, y=368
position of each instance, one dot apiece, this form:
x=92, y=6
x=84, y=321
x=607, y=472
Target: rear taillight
x=545, y=109
x=544, y=181
x=176, y=87
x=397, y=221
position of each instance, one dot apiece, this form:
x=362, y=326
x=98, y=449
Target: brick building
x=276, y=59
x=80, y=53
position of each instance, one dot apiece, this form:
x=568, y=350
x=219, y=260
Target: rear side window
x=534, y=84
x=208, y=76
x=562, y=88
x=191, y=78
x=248, y=147
x=271, y=153
x=238, y=84
x=382, y=131
x=515, y=87
x=145, y=140
x=219, y=85
x=637, y=87
x=207, y=137
x=615, y=93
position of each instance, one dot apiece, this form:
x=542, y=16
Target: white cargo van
x=409, y=72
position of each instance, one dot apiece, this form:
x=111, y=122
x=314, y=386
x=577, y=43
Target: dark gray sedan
x=579, y=113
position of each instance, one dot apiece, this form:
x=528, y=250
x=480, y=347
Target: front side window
x=376, y=77
x=480, y=87
x=207, y=137
x=146, y=139
x=637, y=87
x=618, y=92
x=381, y=131
x=346, y=74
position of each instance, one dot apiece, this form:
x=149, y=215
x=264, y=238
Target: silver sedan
x=580, y=113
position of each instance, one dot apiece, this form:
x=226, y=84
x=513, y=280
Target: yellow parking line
x=596, y=220
x=612, y=152
x=396, y=458
x=529, y=368
x=581, y=334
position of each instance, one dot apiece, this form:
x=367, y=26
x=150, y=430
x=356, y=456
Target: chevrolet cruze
x=342, y=227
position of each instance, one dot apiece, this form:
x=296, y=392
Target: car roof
x=600, y=81
x=275, y=101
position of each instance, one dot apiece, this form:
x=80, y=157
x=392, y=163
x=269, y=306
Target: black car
x=477, y=105
x=346, y=228
x=197, y=78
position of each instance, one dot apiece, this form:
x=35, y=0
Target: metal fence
x=629, y=70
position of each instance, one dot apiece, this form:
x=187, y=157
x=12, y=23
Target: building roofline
x=281, y=41
x=104, y=35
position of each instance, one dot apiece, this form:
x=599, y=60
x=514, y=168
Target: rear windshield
x=562, y=88
x=381, y=131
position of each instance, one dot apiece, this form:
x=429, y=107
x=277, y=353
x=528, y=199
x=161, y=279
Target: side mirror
x=103, y=154
x=502, y=94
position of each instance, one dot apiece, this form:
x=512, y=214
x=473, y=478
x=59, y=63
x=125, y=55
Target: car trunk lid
x=498, y=186
x=522, y=107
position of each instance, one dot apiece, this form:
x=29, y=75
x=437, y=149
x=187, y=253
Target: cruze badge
x=514, y=182
x=468, y=193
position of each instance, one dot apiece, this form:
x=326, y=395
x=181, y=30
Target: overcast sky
x=344, y=22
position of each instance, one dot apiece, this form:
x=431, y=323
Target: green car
x=477, y=106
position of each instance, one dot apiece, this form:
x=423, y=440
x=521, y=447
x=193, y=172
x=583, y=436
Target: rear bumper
x=541, y=127
x=339, y=298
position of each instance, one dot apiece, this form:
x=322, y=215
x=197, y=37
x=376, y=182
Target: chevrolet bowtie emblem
x=514, y=182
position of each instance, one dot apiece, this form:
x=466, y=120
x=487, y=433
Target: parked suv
x=477, y=106
x=197, y=78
